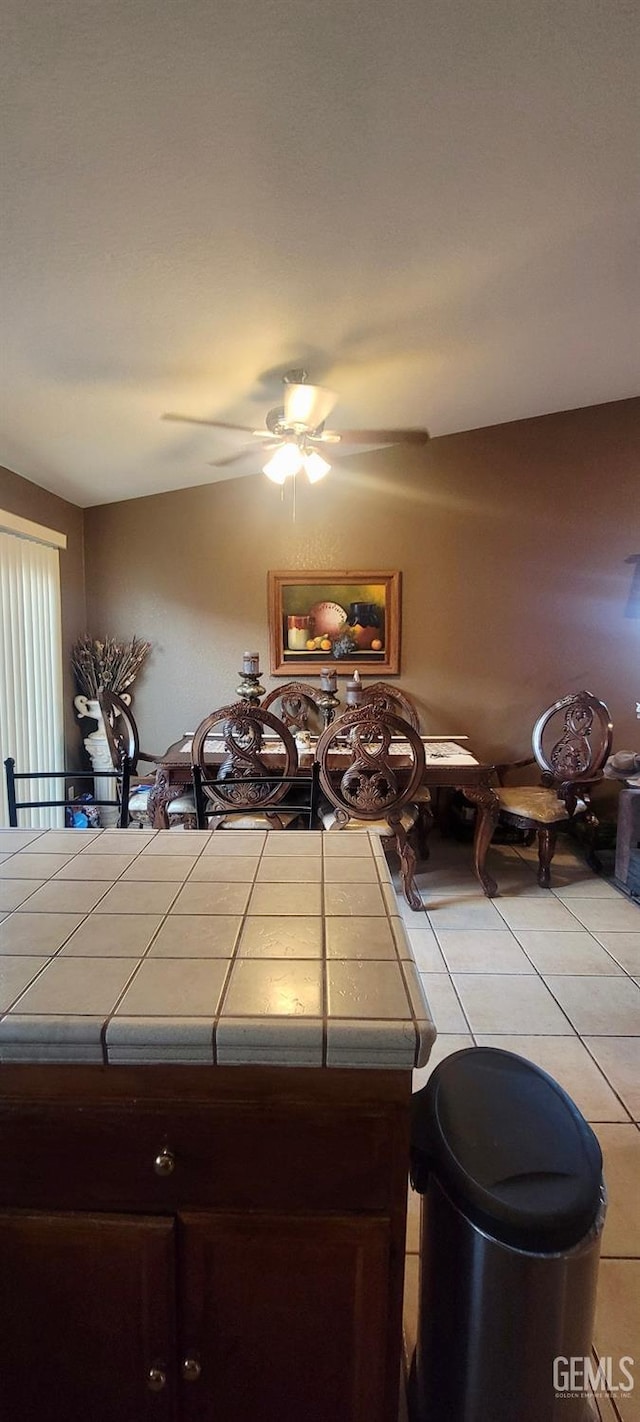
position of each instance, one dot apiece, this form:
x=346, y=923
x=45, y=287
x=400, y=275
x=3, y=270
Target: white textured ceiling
x=431, y=203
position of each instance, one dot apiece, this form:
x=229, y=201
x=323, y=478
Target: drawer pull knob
x=191, y=1369
x=165, y=1162
x=156, y=1379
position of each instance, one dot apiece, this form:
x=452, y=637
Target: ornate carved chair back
x=120, y=729
x=376, y=783
x=238, y=767
x=571, y=741
x=394, y=700
x=581, y=748
x=123, y=740
x=298, y=706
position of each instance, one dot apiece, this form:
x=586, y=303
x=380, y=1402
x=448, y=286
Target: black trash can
x=512, y=1214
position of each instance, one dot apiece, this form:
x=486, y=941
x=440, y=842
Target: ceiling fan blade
x=216, y=424
x=230, y=458
x=327, y=437
x=384, y=436
x=247, y=449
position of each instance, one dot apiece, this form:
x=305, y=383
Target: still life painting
x=348, y=618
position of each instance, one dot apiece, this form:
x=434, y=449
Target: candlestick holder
x=250, y=689
x=328, y=703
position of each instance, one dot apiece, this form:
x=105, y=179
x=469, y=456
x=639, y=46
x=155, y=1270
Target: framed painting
x=342, y=619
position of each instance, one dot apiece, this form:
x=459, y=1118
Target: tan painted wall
x=20, y=496
x=512, y=542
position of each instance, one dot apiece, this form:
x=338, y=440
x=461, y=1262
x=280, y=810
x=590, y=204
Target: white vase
x=97, y=748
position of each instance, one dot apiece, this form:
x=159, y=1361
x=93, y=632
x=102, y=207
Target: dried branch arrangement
x=105, y=662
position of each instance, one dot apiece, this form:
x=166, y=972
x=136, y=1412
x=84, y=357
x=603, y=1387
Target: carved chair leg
x=591, y=822
x=546, y=846
x=488, y=807
x=407, y=857
x=160, y=795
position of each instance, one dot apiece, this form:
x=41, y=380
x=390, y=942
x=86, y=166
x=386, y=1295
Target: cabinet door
x=86, y=1312
x=285, y=1318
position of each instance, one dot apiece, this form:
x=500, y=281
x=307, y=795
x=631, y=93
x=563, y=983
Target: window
x=31, y=707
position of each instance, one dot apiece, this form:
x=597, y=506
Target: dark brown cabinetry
x=201, y=1245
x=86, y=1311
x=284, y=1313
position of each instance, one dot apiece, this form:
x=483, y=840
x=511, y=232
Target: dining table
x=449, y=764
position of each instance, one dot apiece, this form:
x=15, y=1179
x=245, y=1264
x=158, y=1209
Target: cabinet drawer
x=139, y=1156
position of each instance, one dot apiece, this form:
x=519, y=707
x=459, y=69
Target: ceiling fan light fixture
x=285, y=463
x=307, y=405
x=315, y=466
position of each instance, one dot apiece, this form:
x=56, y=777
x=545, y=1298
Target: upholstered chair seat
x=186, y=805
x=536, y=802
x=139, y=804
x=408, y=818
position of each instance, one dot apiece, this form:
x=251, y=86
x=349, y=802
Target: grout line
x=610, y=1398
x=606, y=1078
x=235, y=955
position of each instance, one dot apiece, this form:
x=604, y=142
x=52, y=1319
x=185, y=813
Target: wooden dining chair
x=400, y=704
x=246, y=773
x=296, y=703
x=123, y=739
x=373, y=790
x=393, y=699
x=571, y=741
x=119, y=778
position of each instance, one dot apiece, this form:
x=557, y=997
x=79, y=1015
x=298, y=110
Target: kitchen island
x=205, y=1072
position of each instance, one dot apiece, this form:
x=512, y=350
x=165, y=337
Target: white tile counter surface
x=214, y=947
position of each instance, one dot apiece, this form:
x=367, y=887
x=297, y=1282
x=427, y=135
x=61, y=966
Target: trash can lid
x=510, y=1147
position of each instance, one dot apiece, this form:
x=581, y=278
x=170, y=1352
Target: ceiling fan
x=295, y=432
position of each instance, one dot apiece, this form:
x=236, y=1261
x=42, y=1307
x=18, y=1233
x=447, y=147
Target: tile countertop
x=232, y=947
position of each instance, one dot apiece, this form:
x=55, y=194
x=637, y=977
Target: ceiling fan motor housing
x=278, y=424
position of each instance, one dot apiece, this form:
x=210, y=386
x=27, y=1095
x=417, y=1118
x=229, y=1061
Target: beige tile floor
x=553, y=976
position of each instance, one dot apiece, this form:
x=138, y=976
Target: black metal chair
x=121, y=774
x=249, y=774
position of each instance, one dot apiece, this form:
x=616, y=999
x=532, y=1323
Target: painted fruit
x=311, y=646
x=363, y=636
x=325, y=645
x=376, y=646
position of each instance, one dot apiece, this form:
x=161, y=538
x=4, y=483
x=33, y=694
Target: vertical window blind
x=31, y=705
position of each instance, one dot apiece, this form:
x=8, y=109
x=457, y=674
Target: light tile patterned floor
x=553, y=976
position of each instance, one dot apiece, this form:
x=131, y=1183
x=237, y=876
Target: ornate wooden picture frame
x=342, y=619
